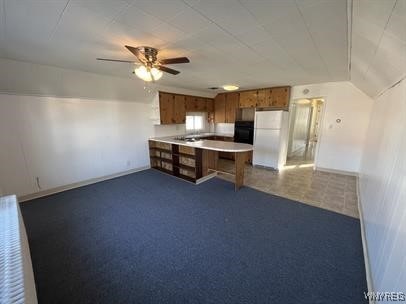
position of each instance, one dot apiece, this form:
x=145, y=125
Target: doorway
x=304, y=131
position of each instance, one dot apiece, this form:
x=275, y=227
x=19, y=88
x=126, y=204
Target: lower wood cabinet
x=180, y=161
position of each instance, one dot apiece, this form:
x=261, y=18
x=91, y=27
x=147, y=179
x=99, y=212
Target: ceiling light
x=230, y=87
x=148, y=74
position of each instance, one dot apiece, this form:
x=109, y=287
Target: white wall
x=47, y=133
x=63, y=141
x=383, y=190
x=340, y=144
x=224, y=128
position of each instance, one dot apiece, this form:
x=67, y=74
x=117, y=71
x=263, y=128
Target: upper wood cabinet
x=220, y=108
x=179, y=111
x=173, y=107
x=209, y=105
x=166, y=107
x=280, y=97
x=195, y=104
x=274, y=98
x=248, y=99
x=263, y=98
x=225, y=107
x=232, y=100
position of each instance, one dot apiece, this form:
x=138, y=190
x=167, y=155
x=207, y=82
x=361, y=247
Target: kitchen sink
x=187, y=138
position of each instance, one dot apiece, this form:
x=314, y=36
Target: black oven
x=244, y=132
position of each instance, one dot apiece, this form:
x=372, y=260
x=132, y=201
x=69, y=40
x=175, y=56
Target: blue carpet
x=151, y=238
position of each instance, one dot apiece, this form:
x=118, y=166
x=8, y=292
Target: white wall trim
x=28, y=197
x=364, y=244
x=336, y=171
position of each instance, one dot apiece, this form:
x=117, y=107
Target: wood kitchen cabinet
x=263, y=98
x=209, y=105
x=232, y=100
x=273, y=98
x=220, y=108
x=279, y=97
x=225, y=107
x=248, y=99
x=179, y=109
x=166, y=107
x=173, y=107
x=195, y=104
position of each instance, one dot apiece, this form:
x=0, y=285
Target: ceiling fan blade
x=174, y=60
x=136, y=52
x=115, y=60
x=167, y=70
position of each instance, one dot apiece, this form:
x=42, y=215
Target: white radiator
x=16, y=275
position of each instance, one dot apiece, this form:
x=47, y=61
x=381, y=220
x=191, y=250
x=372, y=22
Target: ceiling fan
x=151, y=67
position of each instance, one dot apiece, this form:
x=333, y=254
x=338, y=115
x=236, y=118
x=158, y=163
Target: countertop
x=209, y=134
x=215, y=145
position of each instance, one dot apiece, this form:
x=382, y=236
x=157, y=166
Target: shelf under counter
x=196, y=161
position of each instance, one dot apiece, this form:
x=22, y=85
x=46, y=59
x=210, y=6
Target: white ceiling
x=251, y=43
x=378, y=52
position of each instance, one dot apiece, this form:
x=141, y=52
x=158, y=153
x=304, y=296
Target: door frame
x=320, y=127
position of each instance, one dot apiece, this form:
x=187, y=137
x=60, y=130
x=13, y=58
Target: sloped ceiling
x=251, y=43
x=378, y=48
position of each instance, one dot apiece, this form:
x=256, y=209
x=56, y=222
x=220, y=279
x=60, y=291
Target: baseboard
x=336, y=171
x=370, y=284
x=35, y=195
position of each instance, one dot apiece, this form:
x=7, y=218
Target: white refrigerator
x=270, y=138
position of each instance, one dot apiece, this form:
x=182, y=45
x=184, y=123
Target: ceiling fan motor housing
x=149, y=53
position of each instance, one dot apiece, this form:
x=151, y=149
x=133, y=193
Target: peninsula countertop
x=215, y=145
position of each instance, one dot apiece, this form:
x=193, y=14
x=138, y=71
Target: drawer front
x=187, y=150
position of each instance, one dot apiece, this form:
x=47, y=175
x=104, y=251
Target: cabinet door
x=166, y=108
x=189, y=103
x=179, y=109
x=248, y=99
x=209, y=105
x=232, y=100
x=280, y=97
x=200, y=104
x=264, y=98
x=220, y=108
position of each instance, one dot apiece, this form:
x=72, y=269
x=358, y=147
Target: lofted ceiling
x=251, y=43
x=378, y=50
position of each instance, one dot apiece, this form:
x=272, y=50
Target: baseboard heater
x=16, y=276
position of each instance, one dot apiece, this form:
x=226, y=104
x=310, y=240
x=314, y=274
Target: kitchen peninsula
x=195, y=159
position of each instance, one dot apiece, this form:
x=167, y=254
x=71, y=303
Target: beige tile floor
x=335, y=192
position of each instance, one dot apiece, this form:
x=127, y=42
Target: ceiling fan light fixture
x=148, y=74
x=230, y=87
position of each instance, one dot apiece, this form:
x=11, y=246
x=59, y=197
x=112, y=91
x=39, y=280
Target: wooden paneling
x=173, y=107
x=195, y=104
x=179, y=112
x=232, y=100
x=220, y=108
x=240, y=160
x=166, y=108
x=209, y=105
x=248, y=99
x=189, y=103
x=263, y=98
x=280, y=97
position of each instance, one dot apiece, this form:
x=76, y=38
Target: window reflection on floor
x=335, y=192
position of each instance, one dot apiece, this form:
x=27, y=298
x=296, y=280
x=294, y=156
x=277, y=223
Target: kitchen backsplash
x=225, y=128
